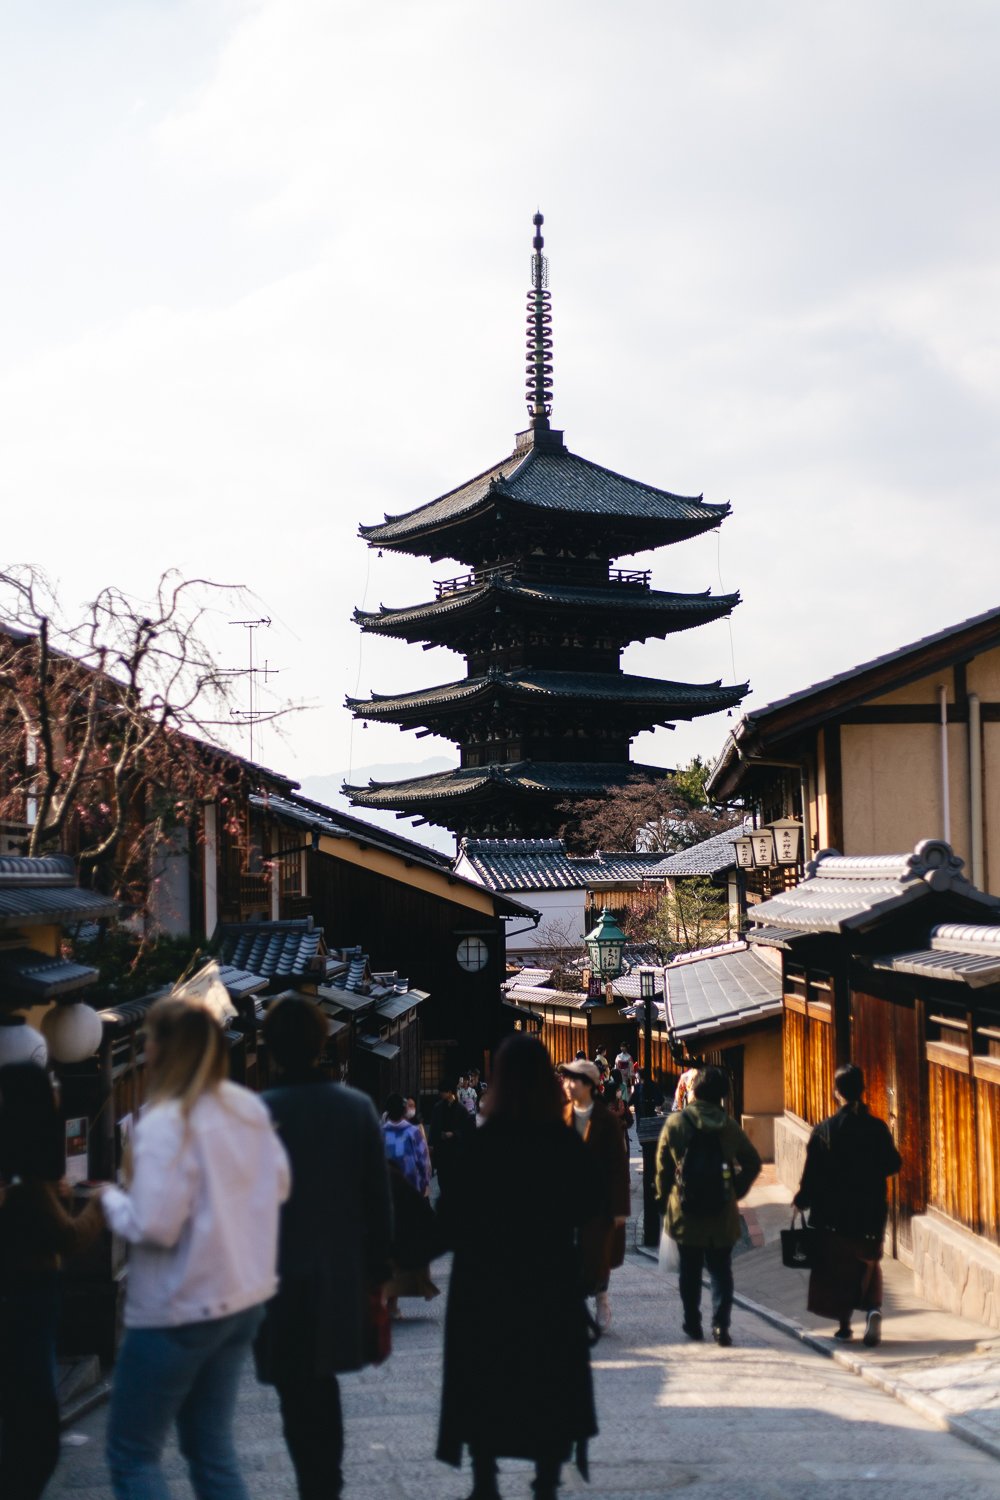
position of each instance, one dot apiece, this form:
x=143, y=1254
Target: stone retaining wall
x=955, y=1269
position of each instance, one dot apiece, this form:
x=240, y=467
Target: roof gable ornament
x=538, y=366
x=933, y=861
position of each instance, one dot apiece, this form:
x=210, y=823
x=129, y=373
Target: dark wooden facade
x=930, y=1051
x=398, y=921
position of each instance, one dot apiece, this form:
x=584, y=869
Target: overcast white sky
x=263, y=276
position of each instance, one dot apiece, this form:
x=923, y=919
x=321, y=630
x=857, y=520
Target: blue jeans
x=189, y=1374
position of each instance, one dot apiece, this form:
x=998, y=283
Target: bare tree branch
x=108, y=723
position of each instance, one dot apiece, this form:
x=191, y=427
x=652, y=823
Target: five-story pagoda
x=545, y=713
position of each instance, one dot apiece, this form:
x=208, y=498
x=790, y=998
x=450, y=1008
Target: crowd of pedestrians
x=293, y=1224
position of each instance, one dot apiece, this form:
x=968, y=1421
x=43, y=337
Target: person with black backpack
x=704, y=1165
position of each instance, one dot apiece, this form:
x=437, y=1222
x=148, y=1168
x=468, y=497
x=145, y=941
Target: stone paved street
x=767, y=1420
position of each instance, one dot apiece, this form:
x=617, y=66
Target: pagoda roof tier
x=650, y=696
x=631, y=612
x=549, y=486
x=452, y=793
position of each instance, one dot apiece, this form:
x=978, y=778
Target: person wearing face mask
x=603, y=1239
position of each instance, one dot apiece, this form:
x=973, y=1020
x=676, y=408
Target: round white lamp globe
x=21, y=1043
x=73, y=1032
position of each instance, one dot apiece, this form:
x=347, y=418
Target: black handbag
x=798, y=1245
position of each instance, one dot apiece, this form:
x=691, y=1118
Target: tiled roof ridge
x=551, y=683
x=696, y=955
x=513, y=846
x=932, y=860
x=609, y=595
x=309, y=811
x=965, y=937
x=506, y=478
x=472, y=778
x=694, y=854
x=35, y=870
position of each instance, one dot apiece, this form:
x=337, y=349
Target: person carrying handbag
x=849, y=1158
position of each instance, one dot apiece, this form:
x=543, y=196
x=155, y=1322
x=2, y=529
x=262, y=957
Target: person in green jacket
x=704, y=1165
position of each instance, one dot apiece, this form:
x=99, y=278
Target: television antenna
x=253, y=714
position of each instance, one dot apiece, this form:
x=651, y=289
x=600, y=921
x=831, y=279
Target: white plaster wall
x=892, y=787
x=563, y=913
x=562, y=923
x=170, y=892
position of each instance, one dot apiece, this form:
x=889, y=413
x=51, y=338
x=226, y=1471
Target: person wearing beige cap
x=603, y=1239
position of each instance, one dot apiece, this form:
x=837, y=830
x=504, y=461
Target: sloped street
x=767, y=1420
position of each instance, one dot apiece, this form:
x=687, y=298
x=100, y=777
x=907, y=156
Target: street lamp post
x=605, y=945
x=647, y=990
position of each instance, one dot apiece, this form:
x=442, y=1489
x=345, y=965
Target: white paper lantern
x=21, y=1043
x=73, y=1032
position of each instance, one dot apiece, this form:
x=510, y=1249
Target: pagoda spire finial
x=539, y=345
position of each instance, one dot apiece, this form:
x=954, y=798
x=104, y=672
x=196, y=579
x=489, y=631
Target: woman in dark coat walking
x=611, y=1198
x=848, y=1159
x=334, y=1245
x=521, y=1195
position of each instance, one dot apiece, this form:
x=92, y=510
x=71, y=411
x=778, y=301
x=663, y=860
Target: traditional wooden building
x=569, y=891
x=884, y=754
x=893, y=962
x=404, y=906
x=544, y=713
x=719, y=1006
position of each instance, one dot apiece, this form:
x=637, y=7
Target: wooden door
x=885, y=1044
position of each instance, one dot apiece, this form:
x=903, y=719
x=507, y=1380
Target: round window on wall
x=472, y=955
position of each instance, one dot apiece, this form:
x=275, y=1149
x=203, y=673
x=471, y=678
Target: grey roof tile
x=36, y=905
x=527, y=979
x=964, y=952
x=848, y=893
x=557, y=481
x=679, y=700
x=629, y=986
x=544, y=865
x=38, y=976
x=711, y=857
x=241, y=982
x=720, y=988
x=306, y=813
x=527, y=775
x=23, y=870
x=666, y=612
x=534, y=995
x=271, y=949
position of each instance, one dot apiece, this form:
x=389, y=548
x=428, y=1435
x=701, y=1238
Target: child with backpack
x=704, y=1165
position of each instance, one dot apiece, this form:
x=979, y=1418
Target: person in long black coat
x=849, y=1158
x=334, y=1245
x=519, y=1198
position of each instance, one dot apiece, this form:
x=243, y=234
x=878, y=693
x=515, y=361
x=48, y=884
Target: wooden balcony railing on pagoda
x=543, y=570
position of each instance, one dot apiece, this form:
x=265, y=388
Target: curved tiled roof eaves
x=545, y=778
x=692, y=609
x=607, y=687
x=555, y=482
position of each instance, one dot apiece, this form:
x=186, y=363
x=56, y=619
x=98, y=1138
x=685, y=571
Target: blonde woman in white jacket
x=200, y=1212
